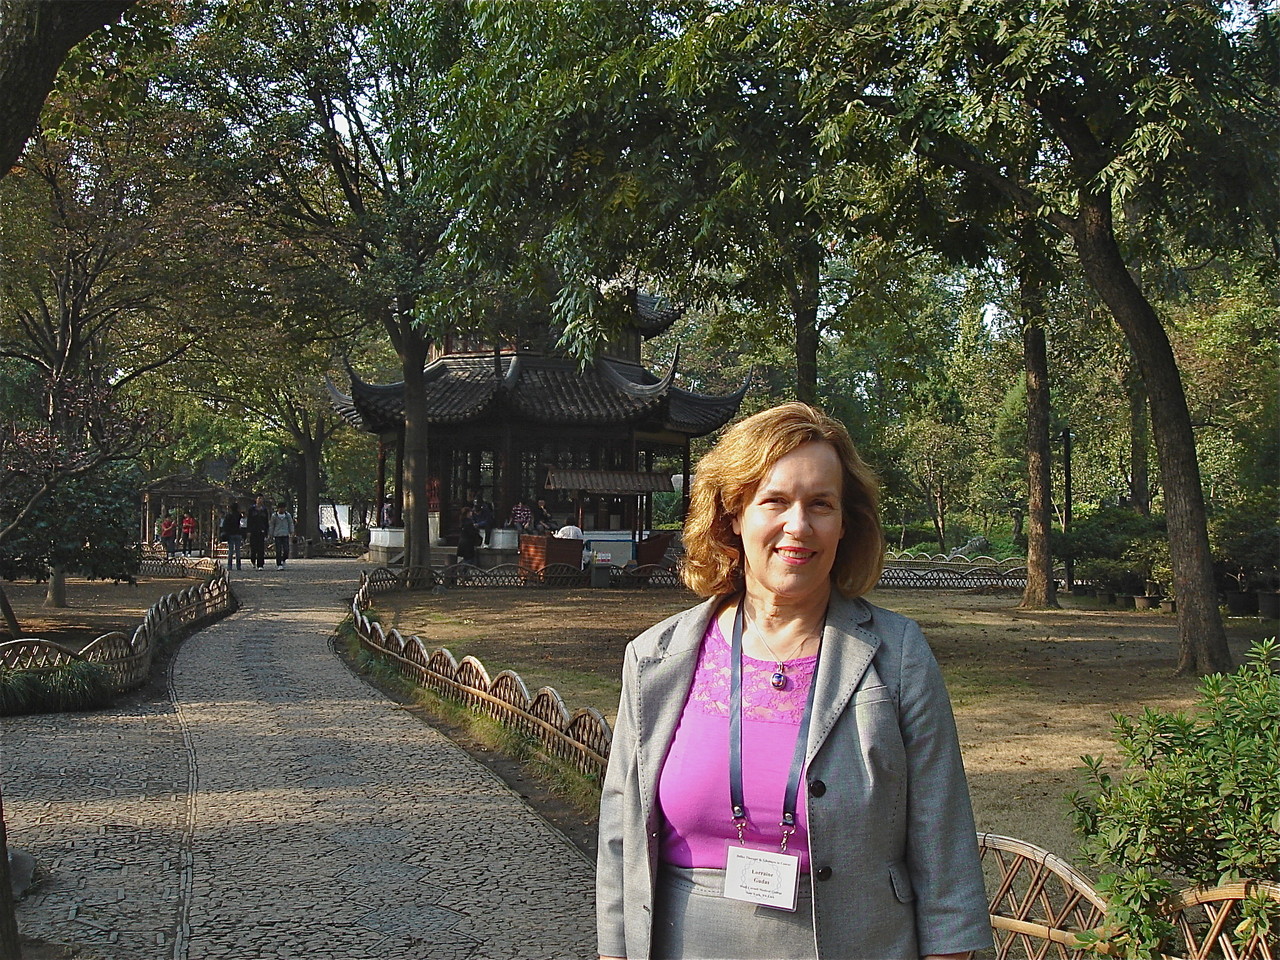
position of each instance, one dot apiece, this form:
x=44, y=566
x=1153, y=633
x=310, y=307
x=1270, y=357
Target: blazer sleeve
x=942, y=850
x=614, y=801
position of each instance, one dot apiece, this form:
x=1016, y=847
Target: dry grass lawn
x=1033, y=690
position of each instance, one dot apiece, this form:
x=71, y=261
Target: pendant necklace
x=779, y=679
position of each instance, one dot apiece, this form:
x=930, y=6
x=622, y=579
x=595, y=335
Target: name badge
x=766, y=877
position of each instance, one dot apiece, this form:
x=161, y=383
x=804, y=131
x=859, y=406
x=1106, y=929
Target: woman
x=280, y=530
x=821, y=810
x=232, y=534
x=169, y=535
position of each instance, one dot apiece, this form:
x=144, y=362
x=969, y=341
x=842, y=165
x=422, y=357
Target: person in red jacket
x=188, y=533
x=169, y=535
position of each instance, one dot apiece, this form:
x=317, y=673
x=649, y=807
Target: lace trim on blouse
x=710, y=692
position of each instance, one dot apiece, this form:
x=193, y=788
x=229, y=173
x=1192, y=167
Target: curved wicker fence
x=127, y=657
x=1039, y=905
x=552, y=575
x=940, y=570
x=580, y=738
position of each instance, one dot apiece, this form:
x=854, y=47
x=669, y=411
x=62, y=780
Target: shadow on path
x=275, y=806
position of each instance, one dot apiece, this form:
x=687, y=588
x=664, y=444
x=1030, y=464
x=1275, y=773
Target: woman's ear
x=734, y=525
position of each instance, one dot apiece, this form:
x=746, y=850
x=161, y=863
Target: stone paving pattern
x=275, y=806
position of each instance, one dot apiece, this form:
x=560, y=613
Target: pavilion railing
x=580, y=738
x=127, y=658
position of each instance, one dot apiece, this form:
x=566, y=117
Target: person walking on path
x=257, y=520
x=188, y=533
x=261, y=800
x=169, y=536
x=232, y=534
x=280, y=528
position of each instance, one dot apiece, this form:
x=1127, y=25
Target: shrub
x=79, y=685
x=1245, y=538
x=1198, y=800
x=1114, y=547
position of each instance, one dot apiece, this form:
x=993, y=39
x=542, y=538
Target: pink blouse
x=693, y=787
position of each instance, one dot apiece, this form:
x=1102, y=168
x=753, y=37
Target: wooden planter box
x=1242, y=604
x=536, y=553
x=1269, y=605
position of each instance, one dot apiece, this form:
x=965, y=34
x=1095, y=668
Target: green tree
x=35, y=39
x=1170, y=104
x=313, y=108
x=86, y=525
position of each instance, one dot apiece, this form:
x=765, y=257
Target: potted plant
x=1149, y=558
x=1111, y=577
x=1245, y=538
x=1103, y=543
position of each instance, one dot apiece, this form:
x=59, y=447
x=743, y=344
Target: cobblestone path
x=274, y=806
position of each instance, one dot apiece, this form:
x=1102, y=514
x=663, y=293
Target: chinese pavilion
x=523, y=420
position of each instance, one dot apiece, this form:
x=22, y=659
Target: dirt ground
x=94, y=607
x=1033, y=691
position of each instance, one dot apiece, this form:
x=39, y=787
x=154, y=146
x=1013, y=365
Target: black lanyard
x=788, y=823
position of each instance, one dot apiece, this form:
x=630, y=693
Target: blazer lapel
x=663, y=683
x=847, y=650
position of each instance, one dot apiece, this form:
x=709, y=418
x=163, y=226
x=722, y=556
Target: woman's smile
x=792, y=525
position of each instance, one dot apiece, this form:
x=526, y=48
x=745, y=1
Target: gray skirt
x=692, y=921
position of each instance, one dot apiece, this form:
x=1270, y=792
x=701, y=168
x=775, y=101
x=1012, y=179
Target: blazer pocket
x=901, y=879
x=877, y=694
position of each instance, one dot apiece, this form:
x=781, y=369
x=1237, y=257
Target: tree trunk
x=35, y=39
x=417, y=529
x=804, y=310
x=56, y=595
x=1202, y=640
x=1140, y=464
x=1041, y=587
x=308, y=518
x=10, y=618
x=937, y=509
x=10, y=948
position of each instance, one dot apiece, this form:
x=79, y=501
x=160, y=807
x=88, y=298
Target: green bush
x=1198, y=801
x=79, y=685
x=1245, y=538
x=1115, y=548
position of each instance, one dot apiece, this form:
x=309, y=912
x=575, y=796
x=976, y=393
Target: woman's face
x=792, y=524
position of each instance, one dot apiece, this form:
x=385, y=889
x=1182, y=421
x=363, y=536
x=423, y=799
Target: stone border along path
x=275, y=806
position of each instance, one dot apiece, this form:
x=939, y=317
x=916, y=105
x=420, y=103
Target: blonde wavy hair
x=727, y=477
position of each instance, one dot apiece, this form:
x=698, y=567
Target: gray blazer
x=893, y=852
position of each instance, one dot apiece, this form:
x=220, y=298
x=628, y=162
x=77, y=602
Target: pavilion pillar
x=145, y=538
x=647, y=520
x=380, y=483
x=397, y=509
x=684, y=487
x=507, y=467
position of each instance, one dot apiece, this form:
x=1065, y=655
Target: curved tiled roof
x=539, y=389
x=653, y=314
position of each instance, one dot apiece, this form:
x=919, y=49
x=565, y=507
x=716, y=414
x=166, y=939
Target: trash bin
x=600, y=574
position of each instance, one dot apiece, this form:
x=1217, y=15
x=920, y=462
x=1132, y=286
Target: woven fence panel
x=127, y=658
x=580, y=739
x=33, y=653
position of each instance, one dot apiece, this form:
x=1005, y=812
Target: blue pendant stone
x=778, y=680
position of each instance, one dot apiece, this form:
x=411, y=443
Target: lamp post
x=1065, y=439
